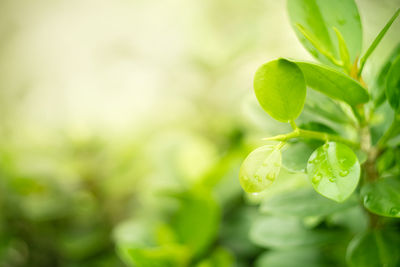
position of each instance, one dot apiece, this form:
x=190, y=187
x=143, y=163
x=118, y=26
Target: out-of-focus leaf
x=377, y=40
x=310, y=257
x=302, y=203
x=372, y=249
x=260, y=168
x=220, y=257
x=334, y=171
x=382, y=197
x=343, y=51
x=280, y=89
x=283, y=232
x=393, y=85
x=333, y=83
x=319, y=17
x=295, y=155
x=197, y=220
x=378, y=91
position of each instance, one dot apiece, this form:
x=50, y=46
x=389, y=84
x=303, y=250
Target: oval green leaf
x=334, y=171
x=319, y=17
x=280, y=89
x=393, y=85
x=373, y=248
x=383, y=197
x=333, y=83
x=260, y=169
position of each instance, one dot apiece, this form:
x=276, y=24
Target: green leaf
x=196, y=220
x=294, y=156
x=383, y=197
x=318, y=17
x=284, y=232
x=334, y=171
x=377, y=40
x=372, y=249
x=333, y=83
x=302, y=203
x=343, y=51
x=310, y=257
x=378, y=91
x=280, y=89
x=393, y=85
x=260, y=168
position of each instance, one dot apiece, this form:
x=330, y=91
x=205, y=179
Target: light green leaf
x=334, y=171
x=260, y=168
x=393, y=85
x=377, y=40
x=294, y=156
x=383, y=197
x=343, y=51
x=283, y=232
x=333, y=83
x=309, y=256
x=372, y=249
x=196, y=220
x=280, y=89
x=319, y=17
x=302, y=203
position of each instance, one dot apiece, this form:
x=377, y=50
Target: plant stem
x=312, y=134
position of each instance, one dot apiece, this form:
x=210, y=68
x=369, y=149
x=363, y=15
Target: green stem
x=312, y=134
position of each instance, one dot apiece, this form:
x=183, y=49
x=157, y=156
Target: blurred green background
x=123, y=124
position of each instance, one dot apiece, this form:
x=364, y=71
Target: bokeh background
x=106, y=107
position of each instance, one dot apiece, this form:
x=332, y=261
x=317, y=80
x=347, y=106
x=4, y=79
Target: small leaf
x=382, y=197
x=281, y=90
x=334, y=171
x=260, y=168
x=333, y=83
x=393, y=85
x=377, y=40
x=372, y=249
x=302, y=203
x=343, y=51
x=319, y=17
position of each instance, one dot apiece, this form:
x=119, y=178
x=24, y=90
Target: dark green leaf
x=393, y=85
x=383, y=197
x=372, y=249
x=333, y=83
x=302, y=203
x=281, y=90
x=260, y=168
x=334, y=171
x=319, y=17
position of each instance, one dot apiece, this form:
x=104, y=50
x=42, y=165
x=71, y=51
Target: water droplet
x=341, y=161
x=332, y=179
x=271, y=177
x=258, y=178
x=367, y=198
x=317, y=178
x=394, y=211
x=325, y=146
x=343, y=172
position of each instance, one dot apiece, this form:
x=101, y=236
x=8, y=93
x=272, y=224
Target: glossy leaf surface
x=333, y=83
x=319, y=17
x=334, y=171
x=383, y=197
x=260, y=168
x=280, y=89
